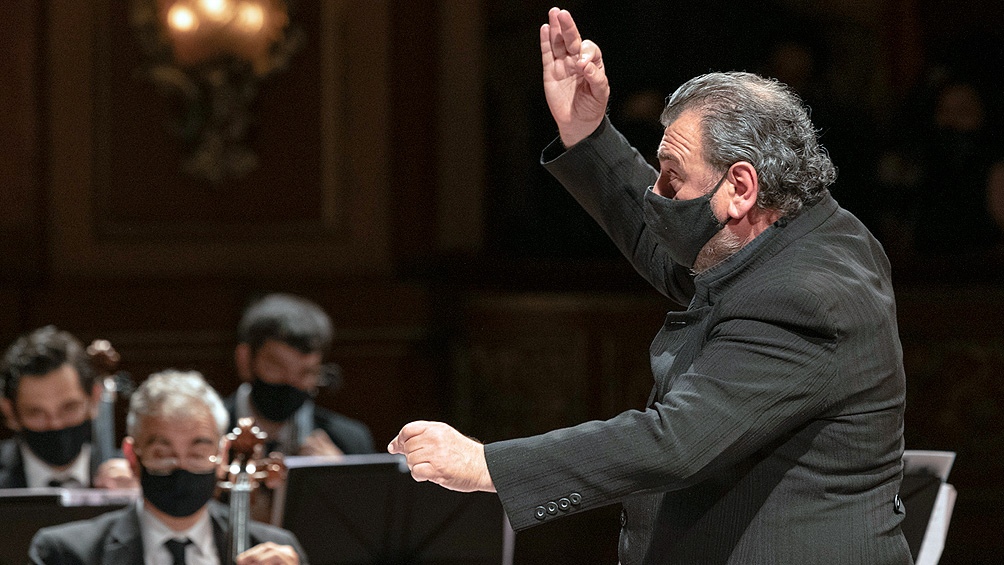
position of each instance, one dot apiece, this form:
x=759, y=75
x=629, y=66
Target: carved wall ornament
x=210, y=57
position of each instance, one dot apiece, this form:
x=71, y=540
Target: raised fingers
x=555, y=37
x=569, y=33
x=546, y=55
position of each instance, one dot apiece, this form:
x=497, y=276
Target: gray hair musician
x=176, y=446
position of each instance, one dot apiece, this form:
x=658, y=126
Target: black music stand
x=367, y=510
x=26, y=510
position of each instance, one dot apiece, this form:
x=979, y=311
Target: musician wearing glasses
x=49, y=401
x=280, y=359
x=176, y=446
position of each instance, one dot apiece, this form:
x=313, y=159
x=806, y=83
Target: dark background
x=398, y=185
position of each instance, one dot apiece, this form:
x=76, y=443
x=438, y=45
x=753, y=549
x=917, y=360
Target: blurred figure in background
x=282, y=343
x=958, y=158
x=945, y=179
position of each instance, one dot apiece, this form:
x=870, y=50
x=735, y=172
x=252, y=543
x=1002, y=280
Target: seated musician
x=176, y=445
x=282, y=343
x=49, y=401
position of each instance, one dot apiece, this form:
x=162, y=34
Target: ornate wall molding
x=317, y=205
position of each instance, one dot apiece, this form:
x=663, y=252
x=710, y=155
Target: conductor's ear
x=745, y=189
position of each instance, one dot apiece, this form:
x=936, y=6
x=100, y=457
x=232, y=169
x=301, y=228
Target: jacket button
x=552, y=507
x=897, y=505
x=539, y=513
x=575, y=498
x=564, y=504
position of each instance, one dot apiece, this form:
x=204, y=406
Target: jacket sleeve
x=609, y=179
x=754, y=382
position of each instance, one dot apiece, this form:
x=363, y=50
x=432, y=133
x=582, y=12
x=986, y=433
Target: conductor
x=774, y=433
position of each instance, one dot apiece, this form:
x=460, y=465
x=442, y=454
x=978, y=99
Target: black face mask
x=683, y=227
x=276, y=402
x=179, y=494
x=58, y=447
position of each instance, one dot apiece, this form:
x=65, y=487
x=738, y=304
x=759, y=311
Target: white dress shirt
x=202, y=550
x=38, y=473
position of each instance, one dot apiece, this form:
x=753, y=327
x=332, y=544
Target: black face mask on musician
x=276, y=402
x=179, y=493
x=58, y=447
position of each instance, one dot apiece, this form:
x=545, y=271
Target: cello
x=247, y=470
x=105, y=360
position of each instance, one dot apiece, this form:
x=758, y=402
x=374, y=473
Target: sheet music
x=297, y=461
x=937, y=463
x=40, y=493
x=97, y=496
x=937, y=528
x=73, y=496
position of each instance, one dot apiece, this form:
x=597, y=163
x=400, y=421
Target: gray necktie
x=177, y=549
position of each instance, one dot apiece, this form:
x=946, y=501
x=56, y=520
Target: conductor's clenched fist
x=436, y=452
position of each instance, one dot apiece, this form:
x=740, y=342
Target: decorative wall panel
x=121, y=205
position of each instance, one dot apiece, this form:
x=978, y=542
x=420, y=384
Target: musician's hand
x=269, y=553
x=575, y=83
x=319, y=443
x=115, y=473
x=438, y=453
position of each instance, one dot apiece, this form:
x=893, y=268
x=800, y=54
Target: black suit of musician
x=116, y=538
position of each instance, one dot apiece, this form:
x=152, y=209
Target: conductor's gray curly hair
x=745, y=117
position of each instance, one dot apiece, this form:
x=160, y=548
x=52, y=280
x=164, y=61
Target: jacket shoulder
x=81, y=541
x=11, y=466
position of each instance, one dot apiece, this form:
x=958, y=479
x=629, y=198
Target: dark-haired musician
x=49, y=402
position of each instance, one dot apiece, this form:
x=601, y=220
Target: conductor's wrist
x=486, y=483
x=572, y=135
x=570, y=138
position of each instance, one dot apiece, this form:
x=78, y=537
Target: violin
x=247, y=470
x=105, y=360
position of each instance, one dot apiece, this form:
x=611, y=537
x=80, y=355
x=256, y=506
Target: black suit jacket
x=115, y=539
x=11, y=465
x=775, y=430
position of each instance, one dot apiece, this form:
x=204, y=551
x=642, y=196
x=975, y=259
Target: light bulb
x=250, y=17
x=182, y=18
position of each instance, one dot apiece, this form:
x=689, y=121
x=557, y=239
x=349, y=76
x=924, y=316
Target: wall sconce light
x=211, y=55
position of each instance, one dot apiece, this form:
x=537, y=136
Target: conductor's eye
x=665, y=185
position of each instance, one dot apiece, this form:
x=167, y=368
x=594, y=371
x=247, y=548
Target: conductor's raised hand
x=575, y=82
x=436, y=452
